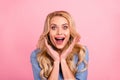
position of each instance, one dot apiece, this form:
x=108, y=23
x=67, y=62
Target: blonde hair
x=45, y=61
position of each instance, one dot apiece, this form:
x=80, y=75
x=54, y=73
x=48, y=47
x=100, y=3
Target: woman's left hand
x=66, y=52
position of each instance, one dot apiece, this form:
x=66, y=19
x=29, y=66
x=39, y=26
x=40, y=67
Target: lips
x=59, y=40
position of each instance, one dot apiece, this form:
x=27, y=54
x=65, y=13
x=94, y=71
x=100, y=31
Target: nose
x=59, y=31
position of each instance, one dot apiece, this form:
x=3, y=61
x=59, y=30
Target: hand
x=54, y=54
x=68, y=51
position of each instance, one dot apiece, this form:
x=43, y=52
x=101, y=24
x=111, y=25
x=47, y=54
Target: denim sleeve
x=82, y=75
x=35, y=67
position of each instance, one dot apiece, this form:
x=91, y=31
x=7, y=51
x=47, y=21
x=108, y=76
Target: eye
x=53, y=27
x=65, y=27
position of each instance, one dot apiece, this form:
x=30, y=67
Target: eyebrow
x=62, y=24
x=52, y=24
x=65, y=24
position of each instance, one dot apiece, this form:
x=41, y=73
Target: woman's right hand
x=54, y=54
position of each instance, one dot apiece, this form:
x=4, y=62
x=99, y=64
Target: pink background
x=21, y=23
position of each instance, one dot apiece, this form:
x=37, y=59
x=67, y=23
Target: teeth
x=59, y=38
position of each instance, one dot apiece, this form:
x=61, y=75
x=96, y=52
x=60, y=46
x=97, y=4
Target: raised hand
x=66, y=52
x=54, y=54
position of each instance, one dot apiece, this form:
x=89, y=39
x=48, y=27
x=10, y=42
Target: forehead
x=58, y=19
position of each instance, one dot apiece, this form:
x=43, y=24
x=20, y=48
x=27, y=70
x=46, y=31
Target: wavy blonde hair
x=45, y=61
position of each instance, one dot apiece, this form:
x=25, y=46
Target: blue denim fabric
x=36, y=69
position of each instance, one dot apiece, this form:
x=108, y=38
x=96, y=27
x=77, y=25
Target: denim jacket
x=36, y=68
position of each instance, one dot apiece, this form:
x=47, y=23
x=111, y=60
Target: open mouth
x=59, y=40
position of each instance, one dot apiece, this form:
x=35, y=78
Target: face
x=59, y=32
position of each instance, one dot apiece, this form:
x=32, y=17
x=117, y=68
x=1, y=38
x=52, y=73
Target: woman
x=58, y=55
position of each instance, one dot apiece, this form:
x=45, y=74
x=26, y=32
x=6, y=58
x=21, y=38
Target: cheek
x=67, y=33
x=52, y=33
x=51, y=36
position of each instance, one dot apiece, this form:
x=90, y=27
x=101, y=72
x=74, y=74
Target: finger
x=74, y=41
x=45, y=41
x=47, y=46
x=77, y=39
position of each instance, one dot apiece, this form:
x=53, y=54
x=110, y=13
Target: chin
x=59, y=47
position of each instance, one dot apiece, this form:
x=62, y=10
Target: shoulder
x=83, y=65
x=86, y=54
x=33, y=55
x=35, y=65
